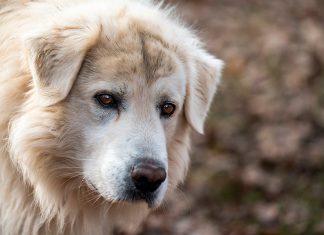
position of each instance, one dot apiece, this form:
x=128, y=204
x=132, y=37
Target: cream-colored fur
x=54, y=145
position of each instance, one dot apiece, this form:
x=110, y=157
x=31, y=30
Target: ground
x=260, y=167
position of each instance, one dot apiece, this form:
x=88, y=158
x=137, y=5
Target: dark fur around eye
x=107, y=100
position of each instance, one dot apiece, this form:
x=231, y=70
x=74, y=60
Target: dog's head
x=129, y=86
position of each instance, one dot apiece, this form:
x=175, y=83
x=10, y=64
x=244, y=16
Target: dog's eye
x=105, y=100
x=167, y=109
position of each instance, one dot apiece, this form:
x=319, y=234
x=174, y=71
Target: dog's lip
x=150, y=203
x=137, y=196
x=131, y=195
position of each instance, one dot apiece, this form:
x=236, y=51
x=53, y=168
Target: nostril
x=148, y=177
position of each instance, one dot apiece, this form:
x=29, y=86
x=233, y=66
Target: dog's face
x=128, y=105
x=129, y=95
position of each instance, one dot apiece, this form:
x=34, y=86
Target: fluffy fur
x=53, y=56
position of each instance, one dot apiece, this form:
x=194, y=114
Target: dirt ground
x=260, y=167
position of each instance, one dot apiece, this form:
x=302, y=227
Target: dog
x=98, y=99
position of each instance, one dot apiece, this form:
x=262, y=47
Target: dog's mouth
x=134, y=196
x=131, y=195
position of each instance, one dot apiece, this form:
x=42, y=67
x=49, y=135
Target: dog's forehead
x=133, y=56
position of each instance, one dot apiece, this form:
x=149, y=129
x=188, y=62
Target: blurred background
x=260, y=167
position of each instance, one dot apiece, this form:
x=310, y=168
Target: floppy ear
x=55, y=58
x=201, y=89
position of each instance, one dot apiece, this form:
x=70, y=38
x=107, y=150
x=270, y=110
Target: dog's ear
x=201, y=89
x=55, y=58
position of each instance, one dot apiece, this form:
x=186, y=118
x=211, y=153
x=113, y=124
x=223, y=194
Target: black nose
x=147, y=176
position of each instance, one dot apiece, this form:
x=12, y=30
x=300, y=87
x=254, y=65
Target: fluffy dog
x=97, y=102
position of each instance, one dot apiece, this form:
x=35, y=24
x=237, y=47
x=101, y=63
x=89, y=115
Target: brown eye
x=105, y=100
x=167, y=109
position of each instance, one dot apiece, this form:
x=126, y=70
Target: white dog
x=97, y=102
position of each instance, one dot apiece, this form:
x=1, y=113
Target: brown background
x=260, y=167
